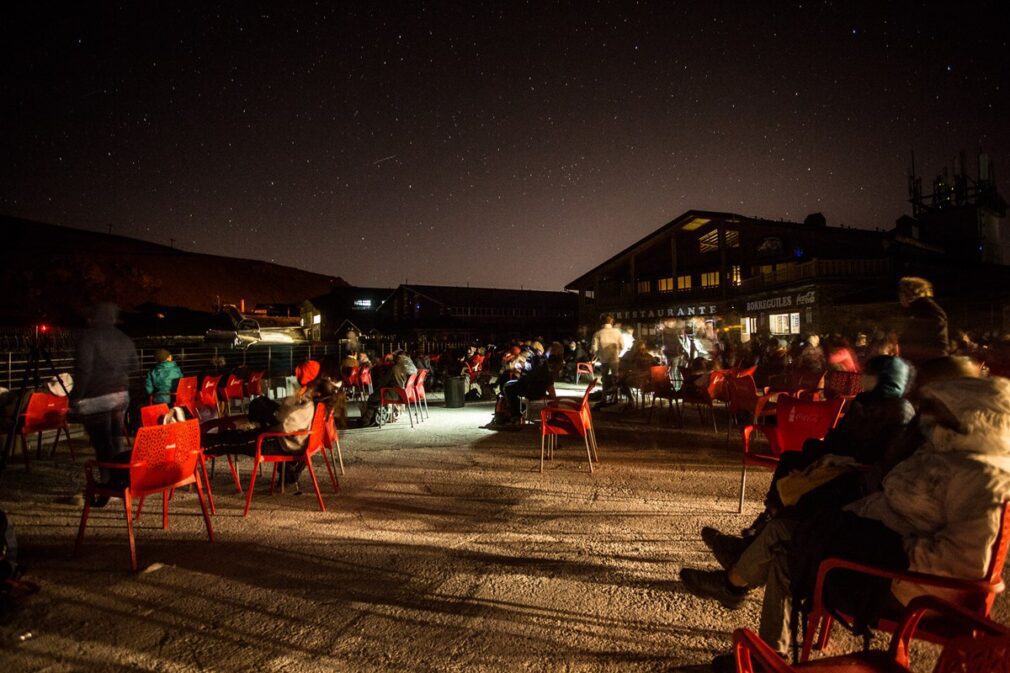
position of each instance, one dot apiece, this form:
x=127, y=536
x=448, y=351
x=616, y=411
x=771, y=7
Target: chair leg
x=232, y=465
x=589, y=451
x=543, y=439
x=329, y=468
x=249, y=493
x=164, y=510
x=140, y=506
x=203, y=508
x=315, y=483
x=210, y=493
x=24, y=453
x=409, y=417
x=340, y=457
x=84, y=520
x=128, y=508
x=70, y=445
x=56, y=441
x=826, y=623
x=743, y=484
x=592, y=440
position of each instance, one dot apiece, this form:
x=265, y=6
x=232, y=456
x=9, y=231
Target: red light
x=43, y=328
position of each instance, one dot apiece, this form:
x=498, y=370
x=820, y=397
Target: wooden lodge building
x=713, y=271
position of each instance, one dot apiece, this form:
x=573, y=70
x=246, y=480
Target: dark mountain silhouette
x=49, y=272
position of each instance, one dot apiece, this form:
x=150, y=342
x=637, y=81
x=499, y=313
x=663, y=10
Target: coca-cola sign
x=804, y=298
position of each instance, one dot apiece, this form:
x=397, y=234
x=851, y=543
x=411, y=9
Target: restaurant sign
x=660, y=313
x=806, y=298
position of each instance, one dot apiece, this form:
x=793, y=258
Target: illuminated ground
x=445, y=550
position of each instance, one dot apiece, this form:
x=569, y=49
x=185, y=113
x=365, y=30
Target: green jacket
x=162, y=380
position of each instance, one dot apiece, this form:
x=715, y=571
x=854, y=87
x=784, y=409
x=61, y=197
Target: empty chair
x=254, y=386
x=419, y=392
x=661, y=388
x=234, y=390
x=207, y=398
x=164, y=458
x=44, y=412
x=584, y=368
x=567, y=417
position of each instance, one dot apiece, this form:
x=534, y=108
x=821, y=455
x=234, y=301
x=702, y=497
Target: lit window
x=784, y=323
x=766, y=269
x=363, y=303
x=665, y=284
x=710, y=279
x=644, y=287
x=683, y=283
x=732, y=239
x=696, y=223
x=709, y=242
x=734, y=276
x=316, y=318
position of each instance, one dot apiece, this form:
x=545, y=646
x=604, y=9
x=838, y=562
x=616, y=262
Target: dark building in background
x=328, y=317
x=708, y=271
x=449, y=313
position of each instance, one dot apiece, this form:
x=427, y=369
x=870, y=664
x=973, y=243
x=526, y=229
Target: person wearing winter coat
x=925, y=336
x=811, y=358
x=161, y=381
x=938, y=513
x=403, y=368
x=104, y=360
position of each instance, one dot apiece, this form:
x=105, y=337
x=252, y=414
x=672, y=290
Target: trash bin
x=454, y=396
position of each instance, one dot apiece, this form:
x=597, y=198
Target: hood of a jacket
x=982, y=408
x=892, y=374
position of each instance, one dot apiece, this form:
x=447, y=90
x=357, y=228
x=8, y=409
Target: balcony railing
x=817, y=269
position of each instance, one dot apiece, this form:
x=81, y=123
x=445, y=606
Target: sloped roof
x=451, y=295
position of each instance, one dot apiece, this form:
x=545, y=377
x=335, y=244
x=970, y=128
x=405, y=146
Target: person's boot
x=726, y=549
x=752, y=531
x=713, y=584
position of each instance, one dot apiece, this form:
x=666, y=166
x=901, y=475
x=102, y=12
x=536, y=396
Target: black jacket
x=105, y=359
x=925, y=335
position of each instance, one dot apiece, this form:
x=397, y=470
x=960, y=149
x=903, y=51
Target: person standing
x=163, y=378
x=606, y=348
x=925, y=335
x=104, y=361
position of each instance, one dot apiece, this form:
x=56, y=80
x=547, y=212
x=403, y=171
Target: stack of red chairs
x=419, y=393
x=405, y=396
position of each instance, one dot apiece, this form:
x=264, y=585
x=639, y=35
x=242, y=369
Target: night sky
x=515, y=145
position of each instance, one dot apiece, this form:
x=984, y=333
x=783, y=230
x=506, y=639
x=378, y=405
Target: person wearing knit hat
x=307, y=372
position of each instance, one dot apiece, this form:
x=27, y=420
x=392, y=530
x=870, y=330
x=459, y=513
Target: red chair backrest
x=354, y=376
x=798, y=420
x=741, y=393
x=422, y=376
x=152, y=414
x=254, y=387
x=45, y=412
x=365, y=374
x=841, y=384
x=208, y=391
x=318, y=429
x=716, y=389
x=164, y=456
x=185, y=391
x=585, y=396
x=408, y=387
x=660, y=375
x=234, y=389
x=329, y=430
x=741, y=373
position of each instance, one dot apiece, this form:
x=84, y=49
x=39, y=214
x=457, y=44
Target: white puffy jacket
x=946, y=499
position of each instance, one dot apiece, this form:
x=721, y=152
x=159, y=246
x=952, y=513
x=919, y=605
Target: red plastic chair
x=584, y=368
x=796, y=421
x=313, y=446
x=977, y=596
x=352, y=379
x=164, y=458
x=566, y=417
x=419, y=392
x=365, y=376
x=152, y=414
x=401, y=396
x=186, y=394
x=45, y=412
x=254, y=386
x=234, y=389
x=661, y=388
x=207, y=397
x=984, y=649
x=747, y=406
x=331, y=442
x=842, y=384
x=705, y=398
